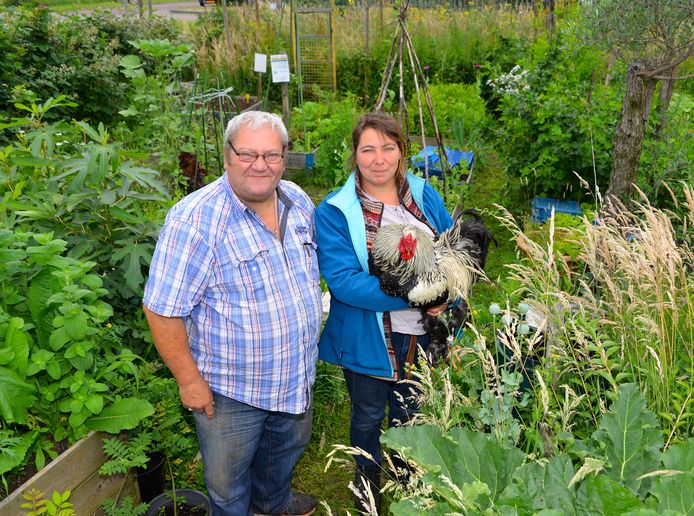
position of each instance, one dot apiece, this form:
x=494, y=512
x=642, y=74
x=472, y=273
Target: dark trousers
x=369, y=397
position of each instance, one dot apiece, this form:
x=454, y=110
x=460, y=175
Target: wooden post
x=366, y=27
x=285, y=104
x=380, y=14
x=227, y=31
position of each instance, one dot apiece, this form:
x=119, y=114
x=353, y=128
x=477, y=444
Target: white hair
x=254, y=120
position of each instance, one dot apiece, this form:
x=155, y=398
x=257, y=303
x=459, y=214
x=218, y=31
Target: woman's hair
x=384, y=124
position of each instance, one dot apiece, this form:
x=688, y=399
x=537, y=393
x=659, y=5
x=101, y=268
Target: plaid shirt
x=251, y=304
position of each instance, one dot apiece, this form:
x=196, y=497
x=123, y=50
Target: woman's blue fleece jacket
x=353, y=336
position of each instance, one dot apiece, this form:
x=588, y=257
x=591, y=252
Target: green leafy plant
x=124, y=508
x=622, y=469
x=326, y=125
x=57, y=505
x=156, y=116
x=124, y=455
x=556, y=120
x=57, y=382
x=459, y=109
x=86, y=192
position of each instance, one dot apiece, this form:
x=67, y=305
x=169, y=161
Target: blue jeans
x=369, y=397
x=249, y=455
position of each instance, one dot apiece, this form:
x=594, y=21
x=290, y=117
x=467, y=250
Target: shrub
x=77, y=57
x=327, y=124
x=555, y=119
x=454, y=105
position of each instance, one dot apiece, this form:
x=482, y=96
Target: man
x=234, y=305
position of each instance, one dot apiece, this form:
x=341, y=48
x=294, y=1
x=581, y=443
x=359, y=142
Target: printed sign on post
x=260, y=65
x=279, y=63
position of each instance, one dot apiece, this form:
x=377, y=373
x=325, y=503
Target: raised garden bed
x=77, y=470
x=298, y=160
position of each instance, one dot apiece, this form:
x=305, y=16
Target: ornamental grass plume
x=625, y=314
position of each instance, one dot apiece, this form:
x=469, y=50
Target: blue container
x=430, y=154
x=542, y=208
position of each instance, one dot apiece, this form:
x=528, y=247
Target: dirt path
x=188, y=10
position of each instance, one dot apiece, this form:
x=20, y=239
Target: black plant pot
x=150, y=479
x=191, y=502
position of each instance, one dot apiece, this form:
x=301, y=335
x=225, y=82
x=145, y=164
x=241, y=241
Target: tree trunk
x=614, y=55
x=630, y=133
x=667, y=87
x=549, y=21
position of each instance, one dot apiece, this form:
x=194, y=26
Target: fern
x=124, y=455
x=126, y=508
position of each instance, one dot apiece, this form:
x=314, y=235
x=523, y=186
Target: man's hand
x=171, y=340
x=197, y=396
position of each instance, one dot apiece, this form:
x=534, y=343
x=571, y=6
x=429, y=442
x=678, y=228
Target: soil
x=185, y=510
x=29, y=470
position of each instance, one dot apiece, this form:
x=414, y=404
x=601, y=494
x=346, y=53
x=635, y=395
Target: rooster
x=428, y=271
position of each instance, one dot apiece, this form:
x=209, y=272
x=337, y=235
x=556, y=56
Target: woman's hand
x=435, y=311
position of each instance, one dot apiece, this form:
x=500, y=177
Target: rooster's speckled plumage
x=428, y=271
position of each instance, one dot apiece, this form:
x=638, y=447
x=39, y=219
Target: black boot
x=368, y=476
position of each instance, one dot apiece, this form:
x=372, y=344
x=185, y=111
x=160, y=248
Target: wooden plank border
x=77, y=469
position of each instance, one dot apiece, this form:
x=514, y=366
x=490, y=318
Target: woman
x=369, y=334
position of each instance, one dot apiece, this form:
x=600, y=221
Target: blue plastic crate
x=430, y=154
x=542, y=208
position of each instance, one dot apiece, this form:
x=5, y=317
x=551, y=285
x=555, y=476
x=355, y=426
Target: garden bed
x=76, y=470
x=299, y=160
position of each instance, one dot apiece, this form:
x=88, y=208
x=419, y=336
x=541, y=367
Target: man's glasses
x=270, y=158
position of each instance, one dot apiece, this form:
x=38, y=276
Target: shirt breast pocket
x=254, y=275
x=243, y=277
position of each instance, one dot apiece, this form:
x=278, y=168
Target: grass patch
x=330, y=427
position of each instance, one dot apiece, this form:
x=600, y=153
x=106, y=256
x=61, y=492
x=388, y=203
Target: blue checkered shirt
x=250, y=303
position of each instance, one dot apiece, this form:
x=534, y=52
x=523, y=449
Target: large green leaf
x=418, y=506
x=13, y=449
x=630, y=436
x=460, y=457
x=602, y=495
x=123, y=414
x=16, y=396
x=680, y=457
x=677, y=492
x=131, y=258
x=17, y=340
x=40, y=289
x=76, y=325
x=541, y=486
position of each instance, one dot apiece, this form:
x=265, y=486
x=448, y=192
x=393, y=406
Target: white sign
x=279, y=63
x=260, y=63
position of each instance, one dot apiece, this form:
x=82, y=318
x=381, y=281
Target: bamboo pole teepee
x=400, y=47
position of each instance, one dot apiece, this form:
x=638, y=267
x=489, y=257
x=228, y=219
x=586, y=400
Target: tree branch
x=670, y=78
x=652, y=73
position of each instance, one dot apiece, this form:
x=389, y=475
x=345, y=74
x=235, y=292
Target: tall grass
x=448, y=42
x=624, y=312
